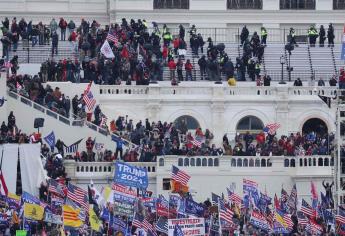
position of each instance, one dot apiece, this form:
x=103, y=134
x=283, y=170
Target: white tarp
x=9, y=165
x=32, y=171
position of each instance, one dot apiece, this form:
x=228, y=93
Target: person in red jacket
x=165, y=53
x=172, y=68
x=188, y=67
x=176, y=43
x=63, y=26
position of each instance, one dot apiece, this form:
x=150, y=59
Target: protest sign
x=189, y=226
x=124, y=200
x=129, y=175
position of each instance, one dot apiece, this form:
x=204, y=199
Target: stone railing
x=100, y=169
x=304, y=165
x=214, y=90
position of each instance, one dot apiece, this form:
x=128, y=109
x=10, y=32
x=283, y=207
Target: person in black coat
x=55, y=42
x=322, y=36
x=244, y=34
x=330, y=35
x=202, y=65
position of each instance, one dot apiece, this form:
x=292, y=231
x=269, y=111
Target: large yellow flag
x=33, y=211
x=94, y=221
x=280, y=219
x=71, y=216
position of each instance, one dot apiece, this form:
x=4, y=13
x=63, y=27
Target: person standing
x=263, y=35
x=55, y=42
x=244, y=34
x=179, y=67
x=71, y=27
x=292, y=36
x=119, y=147
x=312, y=34
x=53, y=26
x=188, y=67
x=172, y=68
x=330, y=35
x=322, y=36
x=63, y=26
x=202, y=65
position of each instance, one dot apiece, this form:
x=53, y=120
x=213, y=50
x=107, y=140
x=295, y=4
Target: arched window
x=251, y=124
x=245, y=162
x=233, y=162
x=204, y=162
x=239, y=162
x=216, y=162
x=263, y=162
x=320, y=162
x=251, y=162
x=293, y=163
x=210, y=162
x=186, y=123
x=301, y=162
x=315, y=125
x=257, y=163
x=192, y=161
x=286, y=163
x=198, y=162
x=186, y=162
x=180, y=162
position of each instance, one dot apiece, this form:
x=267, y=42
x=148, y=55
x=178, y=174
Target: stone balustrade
x=211, y=90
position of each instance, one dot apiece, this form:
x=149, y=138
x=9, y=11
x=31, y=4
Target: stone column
x=282, y=110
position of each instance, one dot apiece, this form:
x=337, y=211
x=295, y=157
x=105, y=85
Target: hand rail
x=61, y=118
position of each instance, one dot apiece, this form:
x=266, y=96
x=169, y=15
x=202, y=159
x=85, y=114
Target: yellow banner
x=71, y=216
x=33, y=211
x=94, y=221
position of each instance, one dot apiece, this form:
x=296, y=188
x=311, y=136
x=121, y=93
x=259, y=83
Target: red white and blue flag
x=113, y=38
x=88, y=98
x=233, y=197
x=180, y=176
x=271, y=128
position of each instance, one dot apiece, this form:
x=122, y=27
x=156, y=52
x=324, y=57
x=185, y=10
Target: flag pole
x=220, y=225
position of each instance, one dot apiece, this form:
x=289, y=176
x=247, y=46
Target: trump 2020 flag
x=106, y=50
x=50, y=139
x=343, y=46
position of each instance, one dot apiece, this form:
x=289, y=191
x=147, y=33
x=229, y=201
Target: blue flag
x=343, y=47
x=50, y=139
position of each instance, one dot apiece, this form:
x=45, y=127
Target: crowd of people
x=140, y=56
x=297, y=144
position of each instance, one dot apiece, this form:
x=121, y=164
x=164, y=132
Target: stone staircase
x=307, y=63
x=40, y=53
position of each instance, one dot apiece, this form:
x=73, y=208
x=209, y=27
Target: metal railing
x=67, y=121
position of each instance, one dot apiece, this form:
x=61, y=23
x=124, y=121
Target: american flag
x=162, y=225
x=78, y=195
x=196, y=143
x=293, y=198
x=147, y=226
x=306, y=208
x=225, y=213
x=233, y=197
x=272, y=128
x=302, y=220
x=180, y=176
x=288, y=220
x=138, y=220
x=104, y=120
x=340, y=217
x=55, y=187
x=314, y=228
x=88, y=98
x=113, y=39
x=284, y=195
